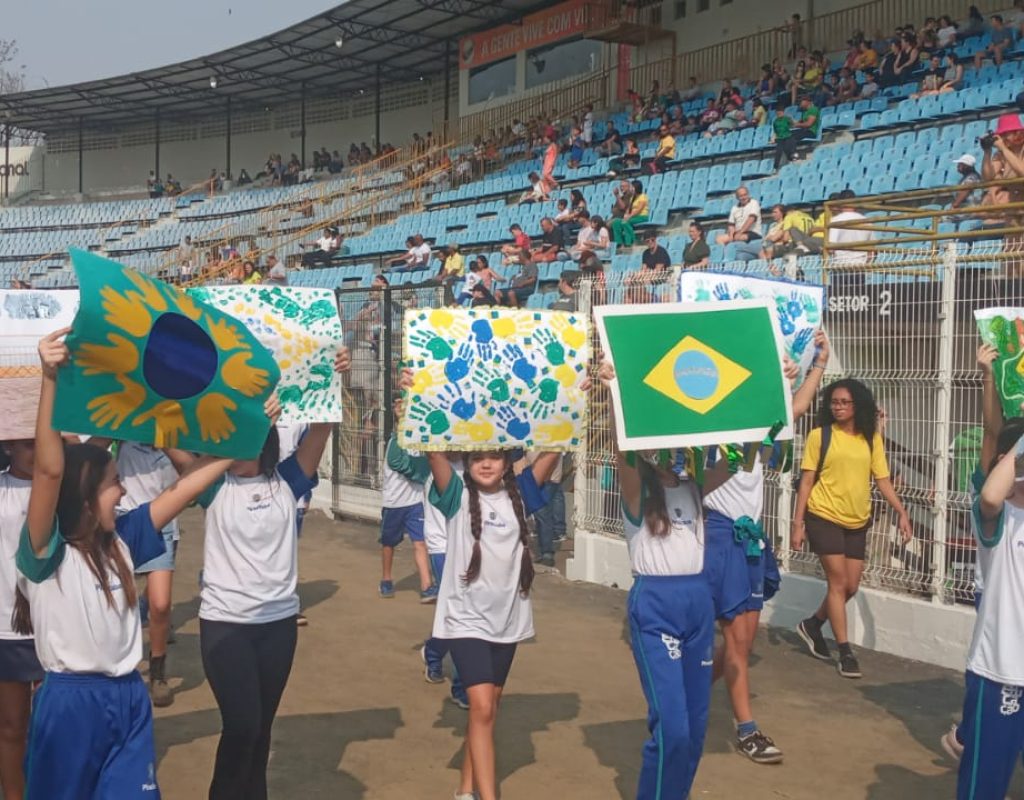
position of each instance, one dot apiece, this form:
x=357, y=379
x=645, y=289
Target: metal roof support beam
x=376, y=112
x=302, y=124
x=227, y=155
x=81, y=149
x=156, y=159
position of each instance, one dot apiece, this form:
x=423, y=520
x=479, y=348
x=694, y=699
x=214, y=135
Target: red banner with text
x=544, y=27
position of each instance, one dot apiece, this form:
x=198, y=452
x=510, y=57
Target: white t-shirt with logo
x=76, y=628
x=742, y=494
x=145, y=473
x=14, y=494
x=405, y=472
x=251, y=548
x=739, y=214
x=840, y=236
x=681, y=550
x=491, y=607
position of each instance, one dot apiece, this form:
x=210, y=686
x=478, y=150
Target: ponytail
x=476, y=527
x=654, y=507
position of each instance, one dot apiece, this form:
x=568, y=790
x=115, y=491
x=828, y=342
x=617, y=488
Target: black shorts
x=828, y=539
x=18, y=661
x=478, y=661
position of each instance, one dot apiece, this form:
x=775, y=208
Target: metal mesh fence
x=904, y=325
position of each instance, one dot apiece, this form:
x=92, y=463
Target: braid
x=526, y=572
x=476, y=526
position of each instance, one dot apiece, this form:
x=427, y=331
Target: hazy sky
x=65, y=41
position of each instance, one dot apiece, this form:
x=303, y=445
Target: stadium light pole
x=302, y=123
x=376, y=113
x=7, y=160
x=227, y=155
x=157, y=144
x=447, y=84
x=81, y=149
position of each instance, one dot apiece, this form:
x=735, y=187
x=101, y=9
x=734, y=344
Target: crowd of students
x=80, y=519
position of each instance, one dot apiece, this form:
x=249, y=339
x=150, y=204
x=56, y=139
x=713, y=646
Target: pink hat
x=1008, y=123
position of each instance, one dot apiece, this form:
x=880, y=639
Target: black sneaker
x=810, y=632
x=848, y=666
x=759, y=748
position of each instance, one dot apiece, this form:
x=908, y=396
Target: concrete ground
x=358, y=720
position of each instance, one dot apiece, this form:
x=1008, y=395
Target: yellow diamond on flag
x=696, y=376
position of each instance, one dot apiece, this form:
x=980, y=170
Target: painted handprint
x=487, y=377
x=432, y=343
x=794, y=307
x=513, y=425
x=556, y=433
x=458, y=368
x=565, y=327
x=702, y=294
x=722, y=292
x=800, y=342
x=811, y=309
x=483, y=335
x=744, y=294
x=785, y=323
x=521, y=367
x=477, y=432
x=454, y=399
x=435, y=419
x=553, y=349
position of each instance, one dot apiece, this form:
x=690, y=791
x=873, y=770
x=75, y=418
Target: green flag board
x=150, y=364
x=1003, y=329
x=695, y=374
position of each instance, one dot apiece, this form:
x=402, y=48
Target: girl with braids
x=483, y=607
x=833, y=507
x=671, y=616
x=92, y=724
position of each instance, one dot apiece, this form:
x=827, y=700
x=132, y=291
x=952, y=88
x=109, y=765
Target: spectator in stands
x=666, y=152
x=611, y=145
x=838, y=236
x=744, y=225
x=969, y=195
x=186, y=257
x=779, y=240
x=538, y=193
x=766, y=88
x=710, y=115
x=623, y=194
x=655, y=266
x=326, y=247
x=577, y=146
x=758, y=113
x=552, y=246
x=946, y=32
x=807, y=127
x=887, y=66
x=577, y=204
x=520, y=241
x=975, y=24
x=522, y=285
x=909, y=58
x=564, y=214
x=154, y=186
x=782, y=132
x=172, y=186
x=692, y=90
x=567, y=300
x=250, y=275
x=588, y=124
x=592, y=242
x=1001, y=37
x=276, y=272
x=793, y=27
x=629, y=160
x=812, y=241
x=931, y=81
x=870, y=87
x=550, y=158
x=483, y=292
x=696, y=253
x=623, y=230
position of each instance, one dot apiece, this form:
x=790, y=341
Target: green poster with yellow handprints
x=1003, y=329
x=151, y=364
x=301, y=327
x=487, y=378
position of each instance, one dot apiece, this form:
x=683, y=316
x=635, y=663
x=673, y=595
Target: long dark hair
x=270, y=455
x=84, y=468
x=476, y=526
x=654, y=505
x=865, y=409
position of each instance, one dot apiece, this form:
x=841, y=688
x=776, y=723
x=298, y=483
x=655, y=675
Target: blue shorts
x=91, y=736
x=992, y=732
x=437, y=566
x=396, y=522
x=18, y=661
x=161, y=562
x=737, y=582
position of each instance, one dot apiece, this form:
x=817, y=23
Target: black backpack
x=826, y=440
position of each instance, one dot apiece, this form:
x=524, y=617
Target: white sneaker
x=469, y=796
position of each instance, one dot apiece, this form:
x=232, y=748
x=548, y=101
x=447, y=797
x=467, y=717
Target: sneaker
x=301, y=620
x=387, y=589
x=952, y=745
x=759, y=748
x=546, y=560
x=428, y=596
x=813, y=638
x=466, y=796
x=848, y=666
x=461, y=699
x=160, y=693
x=430, y=674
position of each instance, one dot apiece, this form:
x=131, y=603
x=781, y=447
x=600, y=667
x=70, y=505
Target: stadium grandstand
x=307, y=135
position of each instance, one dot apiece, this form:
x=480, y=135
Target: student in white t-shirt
x=249, y=600
x=671, y=616
x=483, y=608
x=92, y=722
x=19, y=666
x=993, y=719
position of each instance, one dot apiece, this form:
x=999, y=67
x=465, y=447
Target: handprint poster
x=301, y=328
x=695, y=374
x=797, y=306
x=488, y=378
x=1003, y=329
x=151, y=364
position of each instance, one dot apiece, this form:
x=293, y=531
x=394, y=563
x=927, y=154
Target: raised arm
x=991, y=409
x=197, y=478
x=311, y=448
x=48, y=471
x=543, y=466
x=809, y=388
x=629, y=476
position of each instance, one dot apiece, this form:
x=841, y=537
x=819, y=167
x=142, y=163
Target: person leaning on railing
x=1004, y=160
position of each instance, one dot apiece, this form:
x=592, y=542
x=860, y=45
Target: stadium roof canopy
x=399, y=40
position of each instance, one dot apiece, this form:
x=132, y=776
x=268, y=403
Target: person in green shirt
x=806, y=127
x=781, y=133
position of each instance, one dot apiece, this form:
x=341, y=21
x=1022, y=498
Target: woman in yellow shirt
x=833, y=508
x=637, y=214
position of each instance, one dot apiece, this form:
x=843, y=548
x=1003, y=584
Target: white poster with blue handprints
x=798, y=306
x=494, y=379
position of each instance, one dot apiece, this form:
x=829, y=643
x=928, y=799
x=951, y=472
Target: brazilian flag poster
x=150, y=364
x=695, y=374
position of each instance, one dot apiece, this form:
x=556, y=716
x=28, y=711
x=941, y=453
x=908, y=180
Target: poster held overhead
x=695, y=374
